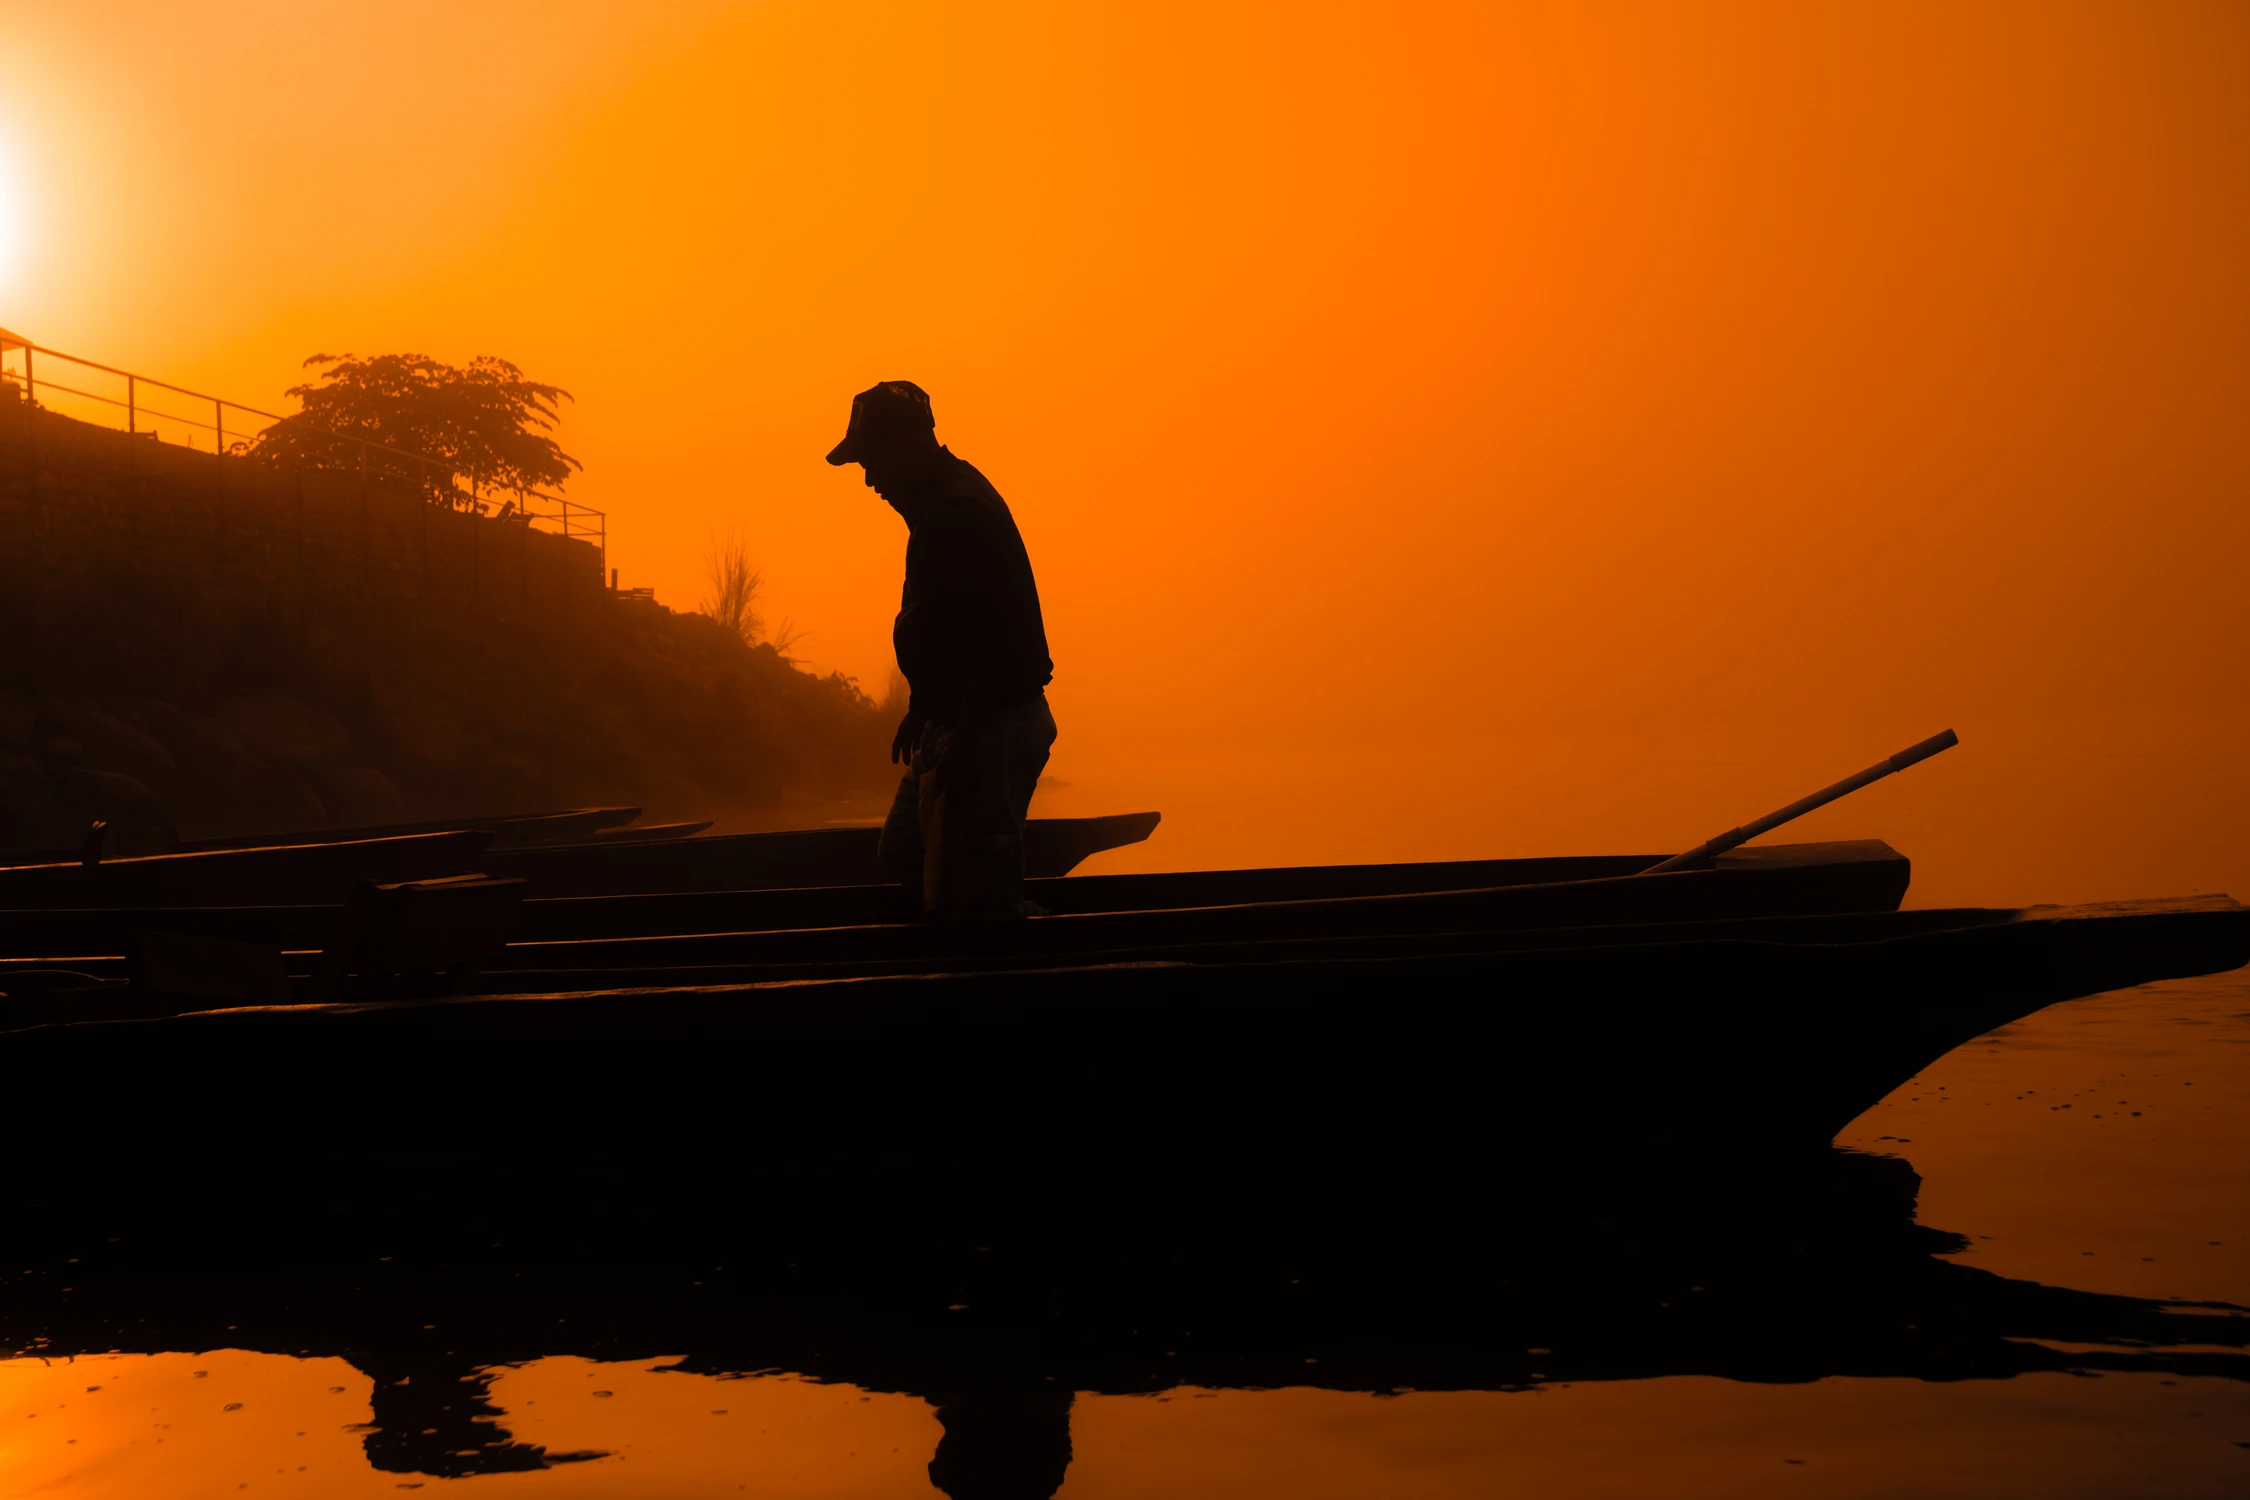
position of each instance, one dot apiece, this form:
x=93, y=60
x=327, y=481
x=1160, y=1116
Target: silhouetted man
x=974, y=650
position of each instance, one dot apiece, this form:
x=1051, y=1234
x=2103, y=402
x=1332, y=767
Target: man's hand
x=908, y=739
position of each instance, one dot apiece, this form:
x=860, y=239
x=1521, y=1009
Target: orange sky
x=1396, y=399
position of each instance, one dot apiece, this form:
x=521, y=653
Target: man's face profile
x=887, y=461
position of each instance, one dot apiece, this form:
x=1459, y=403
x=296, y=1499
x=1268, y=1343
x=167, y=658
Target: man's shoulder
x=970, y=497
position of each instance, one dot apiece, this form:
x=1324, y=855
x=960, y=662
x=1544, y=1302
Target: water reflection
x=484, y=1301
x=437, y=1416
x=1764, y=1270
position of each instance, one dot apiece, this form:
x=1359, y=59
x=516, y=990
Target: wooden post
x=304, y=617
x=366, y=566
x=219, y=478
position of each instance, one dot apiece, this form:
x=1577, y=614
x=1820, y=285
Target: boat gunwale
x=2215, y=905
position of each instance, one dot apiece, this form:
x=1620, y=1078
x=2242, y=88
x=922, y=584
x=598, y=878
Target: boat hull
x=775, y=861
x=1464, y=1059
x=1092, y=913
x=280, y=875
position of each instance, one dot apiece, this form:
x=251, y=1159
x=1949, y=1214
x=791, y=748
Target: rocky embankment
x=675, y=715
x=192, y=648
x=150, y=767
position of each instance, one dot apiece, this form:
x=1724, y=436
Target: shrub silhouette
x=733, y=598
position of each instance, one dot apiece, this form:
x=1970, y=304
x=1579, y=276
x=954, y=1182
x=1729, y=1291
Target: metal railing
x=26, y=374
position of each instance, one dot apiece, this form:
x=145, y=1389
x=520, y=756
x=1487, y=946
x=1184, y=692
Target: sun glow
x=15, y=227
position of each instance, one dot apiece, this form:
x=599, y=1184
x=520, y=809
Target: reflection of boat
x=432, y=1272
x=1092, y=913
x=1243, y=1056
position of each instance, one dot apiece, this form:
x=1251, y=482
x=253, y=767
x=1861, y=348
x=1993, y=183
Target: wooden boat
x=667, y=861
x=774, y=861
x=644, y=833
x=1858, y=875
x=280, y=875
x=1855, y=875
x=1783, y=881
x=509, y=830
x=1235, y=1066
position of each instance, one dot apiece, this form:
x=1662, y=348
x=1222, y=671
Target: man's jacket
x=970, y=607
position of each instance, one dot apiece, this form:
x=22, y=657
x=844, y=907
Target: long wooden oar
x=1803, y=805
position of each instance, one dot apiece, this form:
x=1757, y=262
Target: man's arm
x=908, y=739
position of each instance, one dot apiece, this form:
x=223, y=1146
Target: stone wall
x=112, y=545
x=212, y=646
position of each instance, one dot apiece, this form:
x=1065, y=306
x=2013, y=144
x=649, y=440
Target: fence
x=27, y=373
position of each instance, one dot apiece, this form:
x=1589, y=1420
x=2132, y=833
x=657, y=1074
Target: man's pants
x=961, y=843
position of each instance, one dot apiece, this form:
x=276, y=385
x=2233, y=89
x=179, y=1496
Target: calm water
x=2091, y=1167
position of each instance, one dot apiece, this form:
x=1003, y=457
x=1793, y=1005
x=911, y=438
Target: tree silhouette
x=483, y=424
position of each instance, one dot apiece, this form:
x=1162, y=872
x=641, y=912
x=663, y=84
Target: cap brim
x=843, y=453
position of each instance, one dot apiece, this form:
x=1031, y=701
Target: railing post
x=29, y=390
x=366, y=541
x=132, y=411
x=219, y=480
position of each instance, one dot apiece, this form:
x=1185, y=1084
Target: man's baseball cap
x=887, y=407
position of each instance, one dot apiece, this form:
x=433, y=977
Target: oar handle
x=1911, y=755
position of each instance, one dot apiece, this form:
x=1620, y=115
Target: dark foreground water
x=2065, y=1321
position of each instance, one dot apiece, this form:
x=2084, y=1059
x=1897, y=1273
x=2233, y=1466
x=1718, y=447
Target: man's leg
x=901, y=847
x=1016, y=748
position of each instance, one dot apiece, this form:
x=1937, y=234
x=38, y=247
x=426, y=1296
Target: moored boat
x=508, y=830
x=1589, y=889
x=783, y=860
x=319, y=869
x=1228, y=1066
x=277, y=875
x=1795, y=880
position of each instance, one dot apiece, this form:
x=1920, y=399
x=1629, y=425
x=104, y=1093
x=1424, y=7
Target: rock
x=283, y=803
x=357, y=796
x=203, y=748
x=111, y=744
x=211, y=748
x=125, y=802
x=424, y=733
x=217, y=776
x=23, y=778
x=26, y=805
x=124, y=711
x=286, y=729
x=18, y=721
